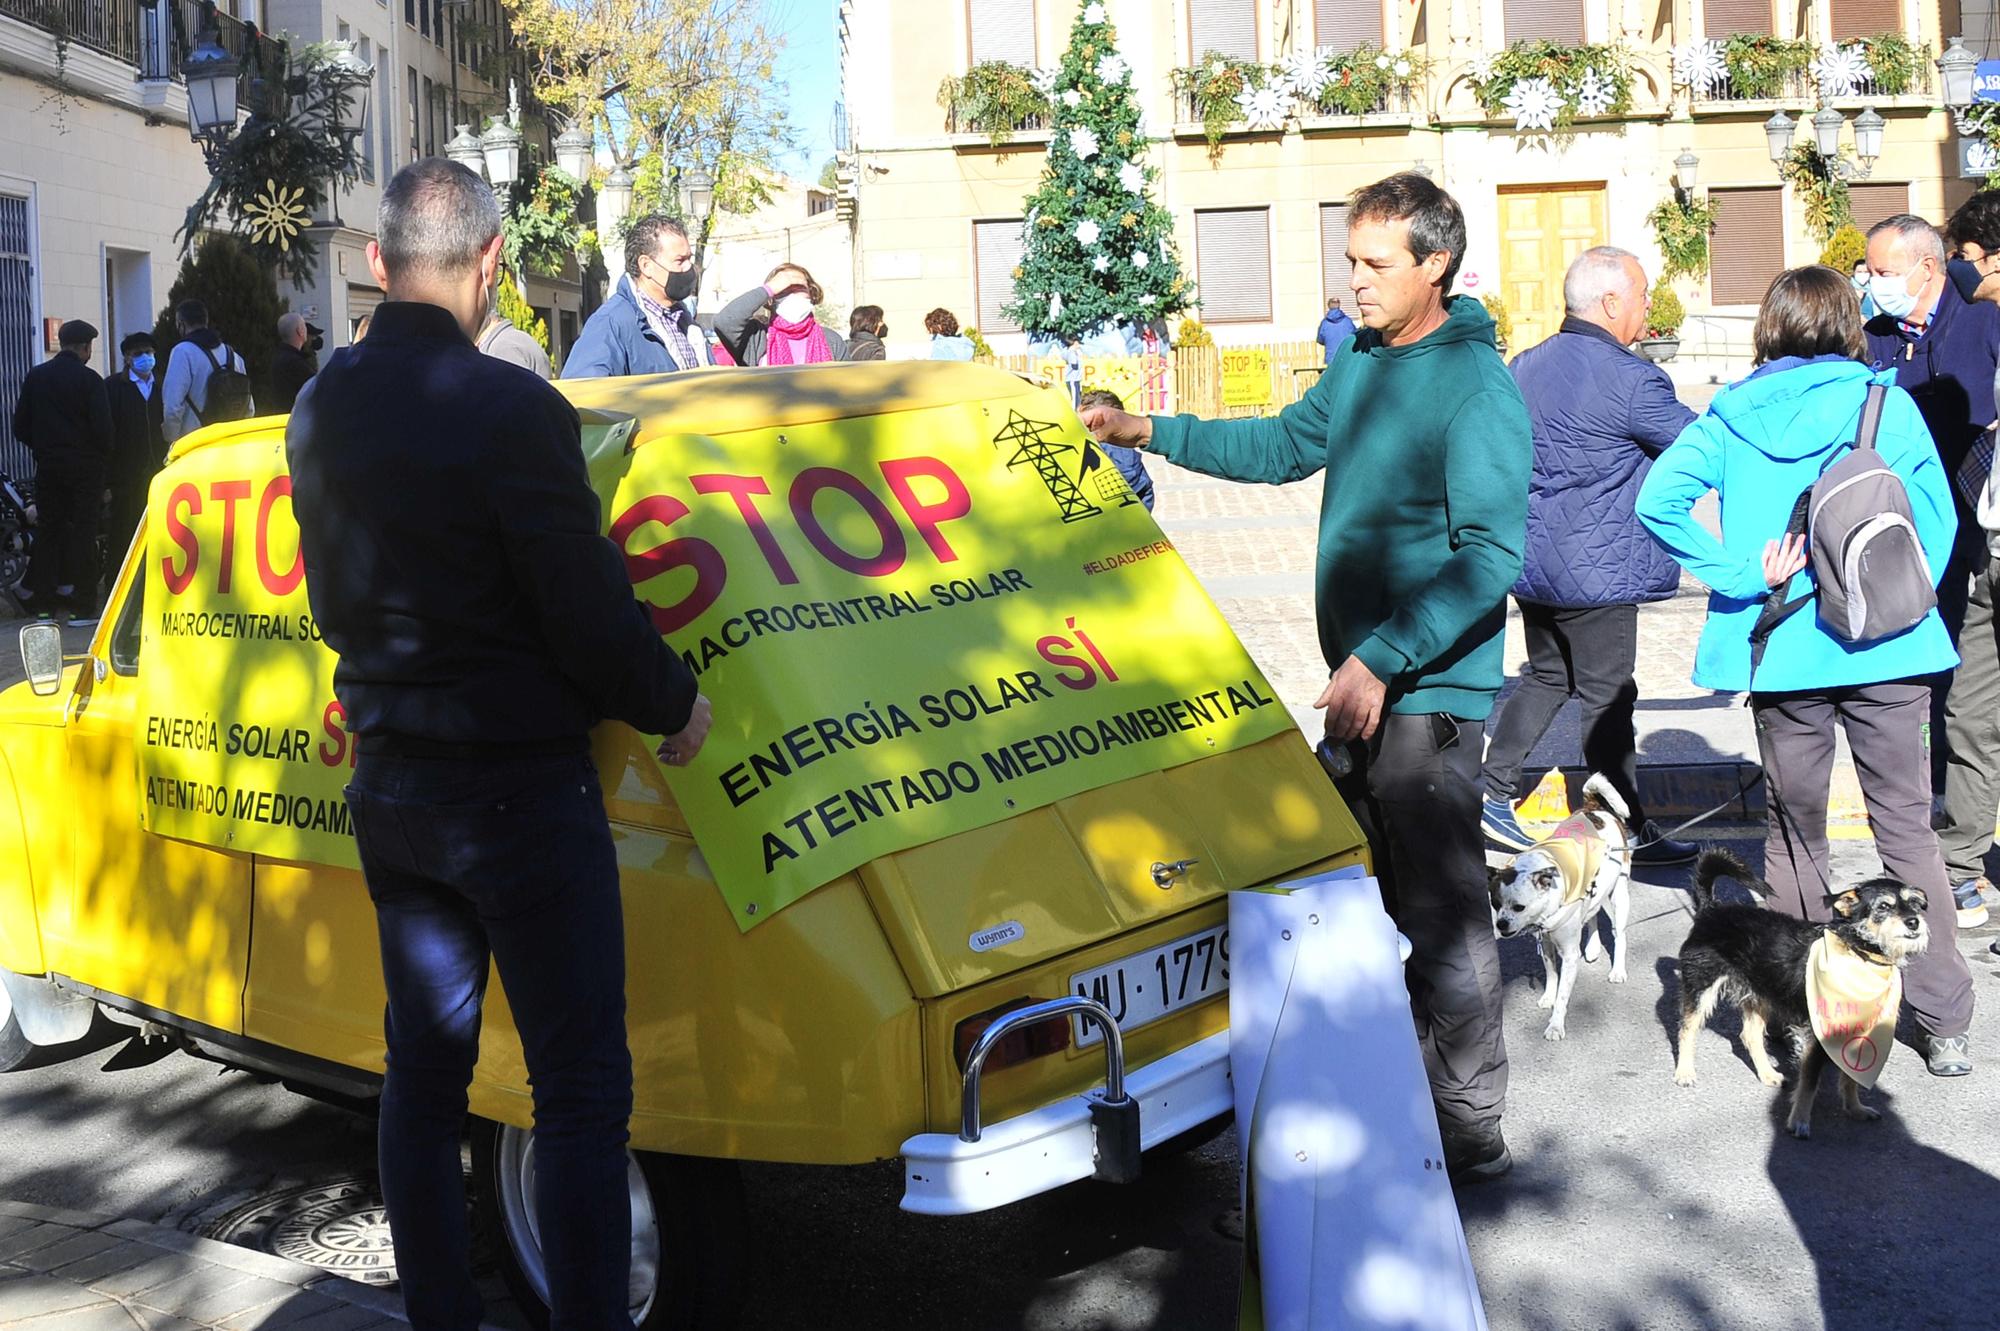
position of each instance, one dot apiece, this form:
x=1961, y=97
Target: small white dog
x=1556, y=890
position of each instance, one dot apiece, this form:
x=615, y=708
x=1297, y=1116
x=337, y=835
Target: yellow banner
x=1143, y=383
x=1246, y=377
x=240, y=743
x=909, y=625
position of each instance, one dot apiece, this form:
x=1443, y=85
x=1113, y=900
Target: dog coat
x=1853, y=1002
x=1578, y=850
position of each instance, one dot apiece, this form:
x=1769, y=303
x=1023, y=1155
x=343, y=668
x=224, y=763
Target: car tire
x=687, y=1224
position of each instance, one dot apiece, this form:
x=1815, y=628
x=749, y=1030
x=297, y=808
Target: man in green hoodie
x=1426, y=447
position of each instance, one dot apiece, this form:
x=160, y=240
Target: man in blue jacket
x=646, y=327
x=1335, y=328
x=1601, y=415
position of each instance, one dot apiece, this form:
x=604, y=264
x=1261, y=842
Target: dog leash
x=1700, y=818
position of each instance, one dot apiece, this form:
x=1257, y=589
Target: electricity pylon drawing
x=1039, y=444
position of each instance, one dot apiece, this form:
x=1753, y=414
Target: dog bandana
x=1578, y=850
x=1853, y=1002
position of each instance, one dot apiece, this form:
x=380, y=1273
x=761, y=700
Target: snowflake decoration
x=1055, y=306
x=1113, y=70
x=1381, y=62
x=1262, y=108
x=1140, y=259
x=278, y=215
x=1132, y=178
x=1595, y=93
x=1699, y=65
x=1403, y=68
x=1305, y=72
x=1045, y=81
x=1093, y=12
x=1482, y=69
x=1534, y=104
x=1072, y=98
x=1087, y=232
x=1101, y=263
x=1841, y=70
x=1146, y=299
x=1083, y=142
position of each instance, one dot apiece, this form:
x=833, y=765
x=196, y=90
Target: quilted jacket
x=1600, y=415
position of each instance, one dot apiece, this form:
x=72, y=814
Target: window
x=996, y=253
x=1001, y=30
x=430, y=119
x=1866, y=18
x=1877, y=200
x=1334, y=269
x=126, y=637
x=437, y=24
x=1748, y=248
x=366, y=50
x=1544, y=20
x=1346, y=24
x=343, y=33
x=410, y=12
x=424, y=17
x=1227, y=27
x=384, y=126
x=416, y=119
x=1232, y=256
x=1731, y=18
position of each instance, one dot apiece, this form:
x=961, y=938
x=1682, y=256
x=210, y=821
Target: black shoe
x=1476, y=1154
x=1663, y=849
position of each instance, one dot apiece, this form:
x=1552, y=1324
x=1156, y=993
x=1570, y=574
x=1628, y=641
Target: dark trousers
x=509, y=860
x=1972, y=735
x=1415, y=792
x=69, y=499
x=1967, y=561
x=1886, y=726
x=1587, y=654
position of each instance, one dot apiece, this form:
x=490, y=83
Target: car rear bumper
x=943, y=1174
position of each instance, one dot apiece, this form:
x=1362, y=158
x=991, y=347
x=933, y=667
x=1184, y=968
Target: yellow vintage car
x=932, y=1004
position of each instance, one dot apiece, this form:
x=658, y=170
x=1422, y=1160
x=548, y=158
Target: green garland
x=1820, y=188
x=1360, y=80
x=1682, y=230
x=1894, y=60
x=540, y=231
x=1758, y=65
x=995, y=96
x=1213, y=82
x=1564, y=68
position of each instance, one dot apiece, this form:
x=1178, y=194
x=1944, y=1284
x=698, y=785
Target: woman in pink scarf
x=774, y=324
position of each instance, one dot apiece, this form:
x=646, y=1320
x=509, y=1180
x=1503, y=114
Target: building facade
x=800, y=224
x=1261, y=214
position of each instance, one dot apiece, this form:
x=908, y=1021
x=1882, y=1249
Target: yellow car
x=933, y=1002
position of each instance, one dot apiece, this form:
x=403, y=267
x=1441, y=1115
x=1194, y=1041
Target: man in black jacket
x=294, y=363
x=64, y=417
x=484, y=625
x=137, y=445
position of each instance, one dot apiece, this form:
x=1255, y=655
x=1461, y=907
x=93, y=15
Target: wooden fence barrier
x=1263, y=378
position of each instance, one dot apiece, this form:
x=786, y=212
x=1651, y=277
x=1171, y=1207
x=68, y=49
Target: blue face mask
x=143, y=362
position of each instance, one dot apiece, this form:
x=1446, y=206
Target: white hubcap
x=514, y=1166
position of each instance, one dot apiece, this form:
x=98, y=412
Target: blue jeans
x=509, y=860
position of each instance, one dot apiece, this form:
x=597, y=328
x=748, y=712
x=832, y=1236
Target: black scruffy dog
x=1756, y=958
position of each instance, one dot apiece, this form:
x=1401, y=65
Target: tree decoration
x=1895, y=61
x=1306, y=72
x=277, y=216
x=1820, y=188
x=1360, y=81
x=1700, y=66
x=1214, y=85
x=1759, y=66
x=1682, y=230
x=1078, y=273
x=1264, y=108
x=1841, y=70
x=540, y=231
x=994, y=97
x=1543, y=85
x=1594, y=93
x=1534, y=104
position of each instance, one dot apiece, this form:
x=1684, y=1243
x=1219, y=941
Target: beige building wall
x=798, y=225
x=918, y=188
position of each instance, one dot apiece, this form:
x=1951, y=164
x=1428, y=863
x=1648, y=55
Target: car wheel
x=14, y=1046
x=687, y=1232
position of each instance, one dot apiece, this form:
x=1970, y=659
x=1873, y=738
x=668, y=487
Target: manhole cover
x=338, y=1226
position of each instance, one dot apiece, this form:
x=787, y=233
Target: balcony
x=957, y=120
x=1793, y=86
x=153, y=39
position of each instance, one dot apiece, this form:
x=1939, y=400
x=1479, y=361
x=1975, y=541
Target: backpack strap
x=1871, y=417
x=1776, y=608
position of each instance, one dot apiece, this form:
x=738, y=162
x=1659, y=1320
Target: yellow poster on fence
x=1246, y=377
x=908, y=625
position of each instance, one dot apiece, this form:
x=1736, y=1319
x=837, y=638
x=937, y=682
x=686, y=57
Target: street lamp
x=614, y=201
x=464, y=149
x=211, y=75
x=574, y=153
x=1826, y=123
x=1687, y=169
x=697, y=195
x=1778, y=131
x=1868, y=137
x=501, y=146
x=1958, y=66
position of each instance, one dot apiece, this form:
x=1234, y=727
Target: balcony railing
x=154, y=38
x=1794, y=86
x=1392, y=100
x=957, y=122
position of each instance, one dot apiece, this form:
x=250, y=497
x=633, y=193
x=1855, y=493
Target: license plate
x=1149, y=985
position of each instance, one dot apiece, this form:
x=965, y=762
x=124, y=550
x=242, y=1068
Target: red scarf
x=784, y=340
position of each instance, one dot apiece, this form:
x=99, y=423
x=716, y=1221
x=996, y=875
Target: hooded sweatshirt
x=1426, y=450
x=1761, y=442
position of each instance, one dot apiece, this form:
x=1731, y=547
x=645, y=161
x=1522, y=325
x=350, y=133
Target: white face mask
x=795, y=308
x=1893, y=295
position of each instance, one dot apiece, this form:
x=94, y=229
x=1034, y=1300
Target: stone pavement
x=72, y=1271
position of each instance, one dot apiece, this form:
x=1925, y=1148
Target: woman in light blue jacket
x=1762, y=442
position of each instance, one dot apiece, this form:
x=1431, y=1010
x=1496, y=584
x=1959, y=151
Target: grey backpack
x=1868, y=568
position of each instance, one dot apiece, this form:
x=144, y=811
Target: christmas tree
x=1097, y=250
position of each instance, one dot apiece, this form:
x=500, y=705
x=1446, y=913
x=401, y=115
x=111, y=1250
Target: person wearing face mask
x=774, y=324
x=137, y=444
x=647, y=326
x=1861, y=288
x=1943, y=351
x=865, y=331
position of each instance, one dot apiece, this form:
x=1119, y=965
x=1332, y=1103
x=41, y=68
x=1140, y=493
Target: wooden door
x=1542, y=231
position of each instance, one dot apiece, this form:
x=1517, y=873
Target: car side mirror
x=42, y=654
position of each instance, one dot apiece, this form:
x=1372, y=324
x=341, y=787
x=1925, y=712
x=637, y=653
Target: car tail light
x=1017, y=1046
